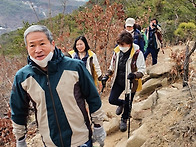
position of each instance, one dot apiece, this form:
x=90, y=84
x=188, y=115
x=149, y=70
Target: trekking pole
x=131, y=82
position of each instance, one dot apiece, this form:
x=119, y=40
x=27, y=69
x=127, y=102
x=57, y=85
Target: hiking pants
x=154, y=53
x=114, y=99
x=115, y=94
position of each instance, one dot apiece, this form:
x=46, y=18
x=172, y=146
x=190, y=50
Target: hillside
x=83, y=20
x=14, y=12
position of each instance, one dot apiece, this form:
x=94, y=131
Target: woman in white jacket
x=81, y=51
x=127, y=63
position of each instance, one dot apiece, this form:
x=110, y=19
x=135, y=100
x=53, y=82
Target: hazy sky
x=82, y=0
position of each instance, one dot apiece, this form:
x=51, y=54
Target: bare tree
x=102, y=34
x=64, y=4
x=186, y=64
x=34, y=10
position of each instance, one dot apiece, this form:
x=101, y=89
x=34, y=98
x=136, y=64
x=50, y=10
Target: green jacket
x=59, y=97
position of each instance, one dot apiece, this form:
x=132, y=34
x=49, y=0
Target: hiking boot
x=123, y=125
x=119, y=110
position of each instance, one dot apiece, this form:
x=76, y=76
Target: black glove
x=104, y=80
x=131, y=76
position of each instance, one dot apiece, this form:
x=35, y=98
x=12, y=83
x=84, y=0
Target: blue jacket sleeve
x=19, y=102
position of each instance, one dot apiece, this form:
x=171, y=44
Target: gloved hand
x=99, y=135
x=104, y=80
x=131, y=76
x=21, y=143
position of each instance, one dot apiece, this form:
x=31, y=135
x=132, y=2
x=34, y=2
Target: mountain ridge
x=14, y=12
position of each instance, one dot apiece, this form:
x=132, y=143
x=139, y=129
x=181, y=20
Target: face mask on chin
x=129, y=31
x=124, y=49
x=43, y=63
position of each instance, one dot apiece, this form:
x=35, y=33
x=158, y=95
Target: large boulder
x=138, y=137
x=160, y=69
x=111, y=126
x=138, y=115
x=147, y=103
x=152, y=84
x=143, y=108
x=122, y=142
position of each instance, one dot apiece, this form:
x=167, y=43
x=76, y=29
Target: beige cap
x=129, y=22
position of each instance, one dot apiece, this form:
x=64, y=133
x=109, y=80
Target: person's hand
x=104, y=80
x=21, y=143
x=131, y=76
x=99, y=135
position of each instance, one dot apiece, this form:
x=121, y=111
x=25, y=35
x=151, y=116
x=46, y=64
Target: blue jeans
x=154, y=53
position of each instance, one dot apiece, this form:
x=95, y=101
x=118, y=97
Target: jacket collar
x=90, y=53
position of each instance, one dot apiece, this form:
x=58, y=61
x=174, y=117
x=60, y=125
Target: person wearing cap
x=59, y=88
x=136, y=34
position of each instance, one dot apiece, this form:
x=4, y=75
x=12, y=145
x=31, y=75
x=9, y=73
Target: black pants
x=114, y=99
x=154, y=53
